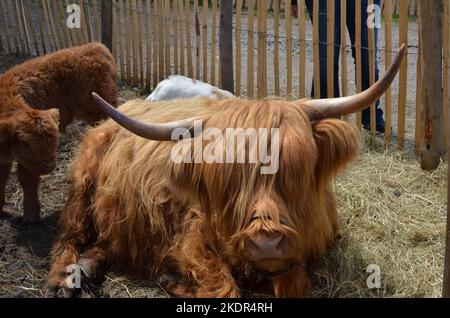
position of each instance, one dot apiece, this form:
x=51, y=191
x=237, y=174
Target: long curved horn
x=335, y=107
x=158, y=132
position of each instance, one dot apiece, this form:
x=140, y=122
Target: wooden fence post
x=226, y=44
x=432, y=97
x=446, y=283
x=107, y=30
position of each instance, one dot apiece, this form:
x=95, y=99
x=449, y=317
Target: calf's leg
x=29, y=181
x=5, y=170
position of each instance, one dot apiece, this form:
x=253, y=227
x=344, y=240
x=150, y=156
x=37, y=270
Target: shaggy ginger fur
x=62, y=82
x=187, y=225
x=65, y=80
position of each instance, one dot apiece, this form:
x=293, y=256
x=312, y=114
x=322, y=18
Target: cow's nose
x=265, y=246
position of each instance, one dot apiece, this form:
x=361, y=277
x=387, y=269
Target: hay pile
x=393, y=215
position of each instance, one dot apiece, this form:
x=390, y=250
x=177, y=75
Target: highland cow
x=203, y=229
x=38, y=96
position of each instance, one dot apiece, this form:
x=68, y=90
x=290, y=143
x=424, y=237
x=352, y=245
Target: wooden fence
x=274, y=52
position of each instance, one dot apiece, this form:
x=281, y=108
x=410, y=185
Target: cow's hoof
x=89, y=270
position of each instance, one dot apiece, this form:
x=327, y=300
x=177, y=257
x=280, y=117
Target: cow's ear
x=54, y=114
x=338, y=143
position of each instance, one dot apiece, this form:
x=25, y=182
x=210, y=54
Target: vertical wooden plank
x=107, y=24
x=403, y=38
x=18, y=17
x=262, y=50
x=6, y=26
x=182, y=32
x=388, y=61
x=250, y=58
x=156, y=43
x=175, y=37
x=446, y=75
x=288, y=20
x=330, y=47
x=2, y=48
x=226, y=45
x=13, y=32
x=302, y=36
x=238, y=47
x=78, y=32
x=87, y=13
x=446, y=282
x=197, y=40
x=26, y=34
x=67, y=35
x=58, y=27
x=149, y=44
x=32, y=28
x=214, y=40
x=51, y=39
x=188, y=39
x=205, y=40
x=17, y=35
x=431, y=35
x=419, y=106
x=84, y=22
x=2, y=27
x=72, y=32
x=276, y=48
x=140, y=14
x=135, y=43
x=128, y=40
x=83, y=30
x=30, y=43
x=316, y=49
x=344, y=68
x=97, y=33
x=122, y=39
x=55, y=29
x=167, y=28
x=161, y=40
x=358, y=30
x=371, y=35
x=114, y=29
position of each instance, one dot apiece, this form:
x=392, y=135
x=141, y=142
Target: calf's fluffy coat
x=40, y=97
